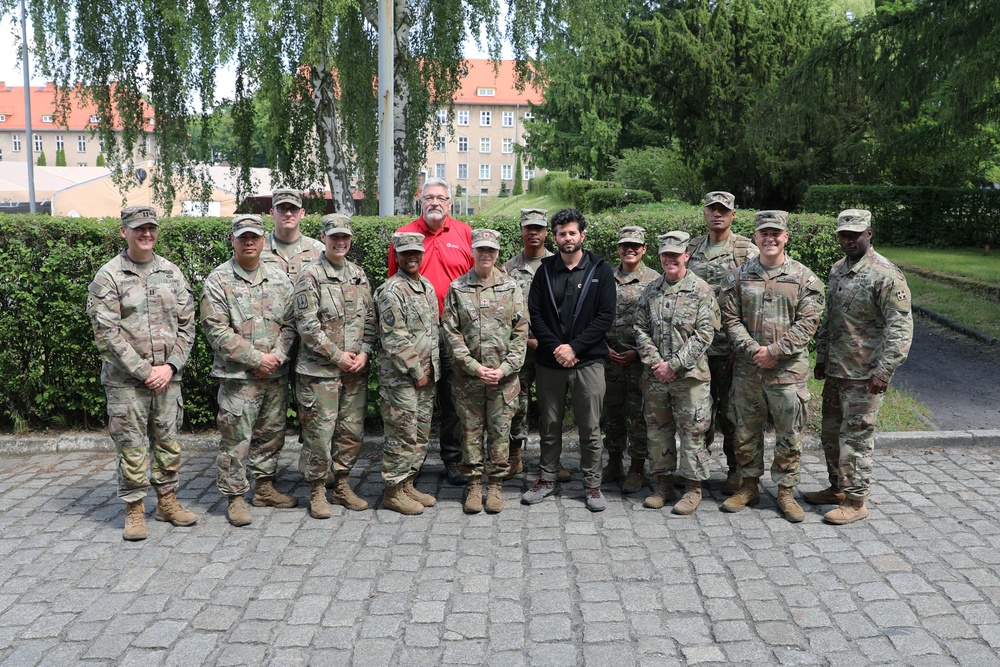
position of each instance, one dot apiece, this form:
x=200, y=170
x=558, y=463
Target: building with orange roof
x=476, y=150
x=77, y=137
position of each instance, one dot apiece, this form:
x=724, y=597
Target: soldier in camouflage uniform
x=771, y=306
x=335, y=317
x=713, y=258
x=287, y=247
x=623, y=419
x=246, y=314
x=864, y=336
x=408, y=369
x=143, y=317
x=486, y=325
x=675, y=321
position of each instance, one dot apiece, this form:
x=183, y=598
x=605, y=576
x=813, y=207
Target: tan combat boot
x=238, y=513
x=474, y=495
x=850, y=510
x=690, y=500
x=168, y=508
x=829, y=496
x=636, y=475
x=395, y=499
x=494, y=495
x=265, y=495
x=344, y=495
x=732, y=483
x=516, y=461
x=411, y=491
x=135, y=521
x=614, y=470
x=664, y=492
x=748, y=494
x=319, y=508
x=786, y=503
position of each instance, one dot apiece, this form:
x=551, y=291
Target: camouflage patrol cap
x=854, y=220
x=727, y=199
x=134, y=216
x=771, y=220
x=534, y=216
x=248, y=224
x=286, y=196
x=486, y=238
x=403, y=241
x=673, y=242
x=632, y=234
x=336, y=223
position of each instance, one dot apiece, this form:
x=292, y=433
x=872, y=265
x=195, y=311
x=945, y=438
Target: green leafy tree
x=660, y=171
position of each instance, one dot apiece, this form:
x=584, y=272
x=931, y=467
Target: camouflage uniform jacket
x=676, y=323
x=142, y=318
x=781, y=312
x=303, y=252
x=517, y=267
x=244, y=319
x=867, y=325
x=408, y=329
x=621, y=335
x=334, y=313
x=486, y=323
x=715, y=269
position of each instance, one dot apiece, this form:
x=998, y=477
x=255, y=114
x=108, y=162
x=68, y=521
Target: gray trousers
x=587, y=387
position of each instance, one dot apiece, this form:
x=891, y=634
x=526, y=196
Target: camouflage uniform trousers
x=623, y=410
x=679, y=409
x=848, y=434
x=519, y=422
x=251, y=422
x=139, y=420
x=332, y=413
x=485, y=410
x=722, y=383
x=406, y=417
x=749, y=404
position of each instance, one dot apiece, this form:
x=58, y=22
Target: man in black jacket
x=572, y=306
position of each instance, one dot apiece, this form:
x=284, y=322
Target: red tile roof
x=481, y=75
x=43, y=103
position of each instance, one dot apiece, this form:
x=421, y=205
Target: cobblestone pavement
x=548, y=585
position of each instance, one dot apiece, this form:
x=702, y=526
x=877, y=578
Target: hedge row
x=603, y=199
x=916, y=216
x=49, y=367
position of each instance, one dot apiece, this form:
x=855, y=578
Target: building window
x=37, y=139
x=529, y=116
x=485, y=118
x=463, y=117
x=48, y=119
x=439, y=143
x=484, y=172
x=81, y=164
x=463, y=144
x=507, y=172
x=507, y=146
x=3, y=118
x=486, y=92
x=146, y=144
x=484, y=191
x=529, y=174
x=94, y=118
x=151, y=121
x=439, y=170
x=485, y=144
x=442, y=116
x=463, y=172
x=102, y=144
x=81, y=143
x=17, y=143
x=59, y=142
x=508, y=119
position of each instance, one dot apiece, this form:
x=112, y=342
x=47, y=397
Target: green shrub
x=42, y=162
x=61, y=157
x=661, y=171
x=541, y=185
x=602, y=199
x=574, y=190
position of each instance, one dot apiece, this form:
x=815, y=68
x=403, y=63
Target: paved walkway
x=917, y=583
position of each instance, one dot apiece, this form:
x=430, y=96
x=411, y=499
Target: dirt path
x=956, y=377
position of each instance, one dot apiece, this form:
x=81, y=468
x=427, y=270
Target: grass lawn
x=512, y=205
x=960, y=305
x=968, y=262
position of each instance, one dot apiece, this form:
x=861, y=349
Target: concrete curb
x=946, y=321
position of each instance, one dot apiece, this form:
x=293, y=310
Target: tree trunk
x=403, y=181
x=331, y=150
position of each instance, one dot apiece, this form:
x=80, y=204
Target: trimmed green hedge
x=49, y=367
x=603, y=199
x=916, y=216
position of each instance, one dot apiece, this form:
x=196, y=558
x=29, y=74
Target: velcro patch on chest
x=484, y=303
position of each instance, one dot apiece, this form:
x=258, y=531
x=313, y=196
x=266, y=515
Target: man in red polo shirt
x=447, y=255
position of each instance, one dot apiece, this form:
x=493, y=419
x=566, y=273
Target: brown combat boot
x=344, y=495
x=732, y=483
x=786, y=503
x=850, y=510
x=494, y=495
x=614, y=470
x=395, y=499
x=319, y=508
x=516, y=461
x=636, y=475
x=748, y=494
x=265, y=495
x=474, y=495
x=562, y=475
x=829, y=496
x=411, y=491
x=168, y=508
x=664, y=492
x=690, y=500
x=238, y=513
x=135, y=521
